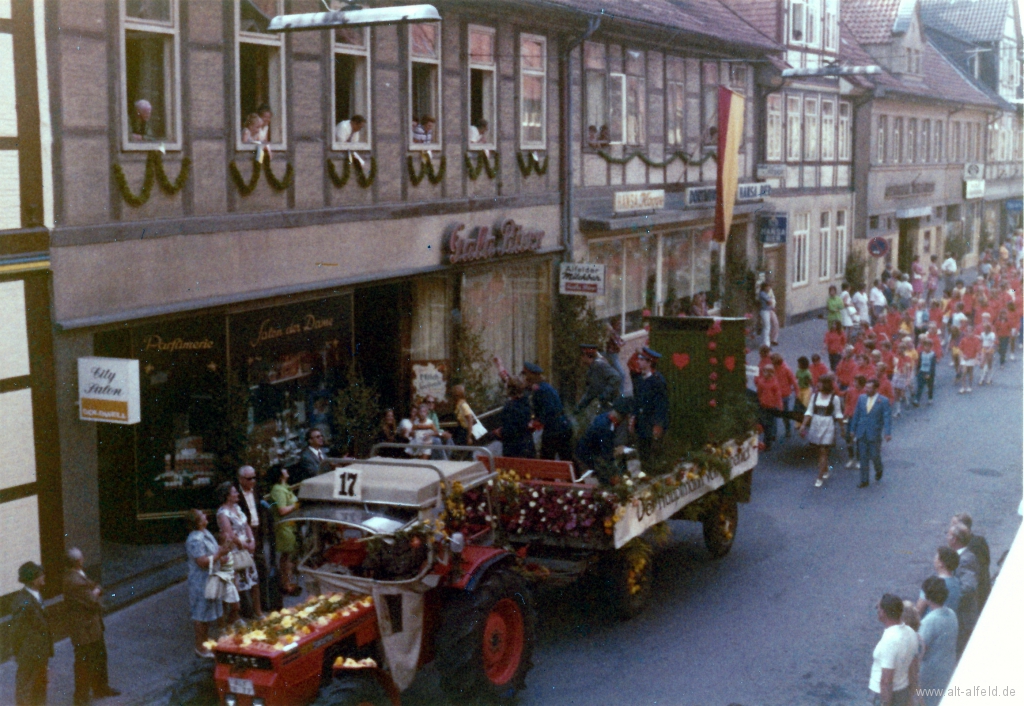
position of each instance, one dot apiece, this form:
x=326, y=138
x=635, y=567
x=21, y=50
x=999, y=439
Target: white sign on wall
x=974, y=188
x=648, y=200
x=581, y=278
x=108, y=390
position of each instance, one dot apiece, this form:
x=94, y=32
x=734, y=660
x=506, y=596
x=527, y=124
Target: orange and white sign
x=108, y=390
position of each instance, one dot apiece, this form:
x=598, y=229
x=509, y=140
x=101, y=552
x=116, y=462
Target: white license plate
x=241, y=686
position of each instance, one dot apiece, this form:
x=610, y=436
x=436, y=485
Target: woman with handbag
x=235, y=528
x=205, y=557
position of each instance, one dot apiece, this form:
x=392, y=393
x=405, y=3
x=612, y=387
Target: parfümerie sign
x=108, y=390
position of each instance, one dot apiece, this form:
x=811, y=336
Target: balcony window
x=425, y=86
x=482, y=70
x=351, y=124
x=259, y=75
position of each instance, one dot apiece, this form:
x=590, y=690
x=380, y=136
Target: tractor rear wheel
x=485, y=641
x=720, y=526
x=627, y=575
x=353, y=688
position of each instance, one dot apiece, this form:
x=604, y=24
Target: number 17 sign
x=348, y=486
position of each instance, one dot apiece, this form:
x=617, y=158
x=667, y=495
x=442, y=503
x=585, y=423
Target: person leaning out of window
x=350, y=130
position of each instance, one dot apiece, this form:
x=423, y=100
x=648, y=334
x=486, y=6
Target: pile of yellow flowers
x=280, y=629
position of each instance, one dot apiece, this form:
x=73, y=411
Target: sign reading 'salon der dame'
x=488, y=243
x=108, y=390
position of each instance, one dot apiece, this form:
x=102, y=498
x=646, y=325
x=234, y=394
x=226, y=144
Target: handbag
x=242, y=559
x=214, y=588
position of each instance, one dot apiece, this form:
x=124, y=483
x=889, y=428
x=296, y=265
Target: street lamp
x=354, y=15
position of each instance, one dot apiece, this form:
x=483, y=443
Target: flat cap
x=29, y=572
x=533, y=368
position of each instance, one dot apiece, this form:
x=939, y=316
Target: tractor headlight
x=258, y=702
x=230, y=700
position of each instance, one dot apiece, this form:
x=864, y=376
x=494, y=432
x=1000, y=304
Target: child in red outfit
x=970, y=352
x=817, y=369
x=835, y=343
x=769, y=399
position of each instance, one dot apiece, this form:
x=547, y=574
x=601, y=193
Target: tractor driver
x=604, y=441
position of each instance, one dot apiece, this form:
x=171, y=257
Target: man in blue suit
x=871, y=421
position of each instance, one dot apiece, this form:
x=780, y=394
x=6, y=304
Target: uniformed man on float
x=603, y=381
x=556, y=433
x=603, y=443
x=650, y=404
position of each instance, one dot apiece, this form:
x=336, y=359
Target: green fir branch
x=245, y=187
x=275, y=183
x=339, y=181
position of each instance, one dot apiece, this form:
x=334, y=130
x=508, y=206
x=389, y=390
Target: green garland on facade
x=483, y=163
x=244, y=187
x=332, y=171
x=530, y=163
x=275, y=183
x=682, y=156
x=154, y=173
x=364, y=179
x=426, y=170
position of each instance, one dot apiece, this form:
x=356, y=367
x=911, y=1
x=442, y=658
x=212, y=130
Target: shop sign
x=771, y=171
x=772, y=229
x=902, y=191
x=919, y=212
x=1015, y=205
x=488, y=243
x=581, y=278
x=697, y=196
x=648, y=200
x=108, y=390
x=974, y=188
x=428, y=379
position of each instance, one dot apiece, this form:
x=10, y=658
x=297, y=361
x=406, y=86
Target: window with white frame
x=940, y=142
x=912, y=140
x=794, y=119
x=828, y=130
x=881, y=138
x=595, y=79
x=824, y=244
x=425, y=85
x=926, y=140
x=351, y=95
x=897, y=140
x=797, y=21
x=811, y=129
x=811, y=35
x=675, y=102
x=957, y=146
x=845, y=135
x=151, y=87
x=831, y=25
x=709, y=96
x=259, y=75
x=979, y=141
x=636, y=98
x=533, y=61
x=841, y=244
x=773, y=128
x=969, y=154
x=482, y=83
x=801, y=229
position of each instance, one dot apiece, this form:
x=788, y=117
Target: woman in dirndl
x=819, y=425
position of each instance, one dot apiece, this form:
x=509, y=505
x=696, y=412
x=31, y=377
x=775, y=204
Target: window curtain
x=503, y=305
x=432, y=305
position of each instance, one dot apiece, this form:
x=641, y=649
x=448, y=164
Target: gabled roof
x=970, y=20
x=708, y=18
x=871, y=21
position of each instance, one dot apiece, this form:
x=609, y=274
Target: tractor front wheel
x=353, y=688
x=485, y=640
x=720, y=526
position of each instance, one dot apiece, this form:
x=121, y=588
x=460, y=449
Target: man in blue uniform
x=603, y=441
x=556, y=437
x=650, y=404
x=603, y=381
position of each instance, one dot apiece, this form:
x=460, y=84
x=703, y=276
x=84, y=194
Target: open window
x=482, y=72
x=533, y=61
x=151, y=111
x=351, y=124
x=425, y=85
x=675, y=102
x=636, y=98
x=259, y=75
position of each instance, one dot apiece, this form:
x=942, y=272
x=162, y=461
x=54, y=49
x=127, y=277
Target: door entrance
x=382, y=342
x=775, y=271
x=907, y=246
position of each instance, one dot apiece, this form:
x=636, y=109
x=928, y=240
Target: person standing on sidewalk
x=30, y=637
x=764, y=306
x=895, y=663
x=256, y=515
x=871, y=421
x=938, y=633
x=84, y=610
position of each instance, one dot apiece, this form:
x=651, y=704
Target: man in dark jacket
x=31, y=639
x=556, y=436
x=957, y=538
x=602, y=442
x=978, y=546
x=313, y=460
x=603, y=381
x=650, y=403
x=84, y=609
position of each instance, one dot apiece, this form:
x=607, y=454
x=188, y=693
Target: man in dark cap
x=31, y=639
x=650, y=403
x=603, y=441
x=603, y=381
x=556, y=437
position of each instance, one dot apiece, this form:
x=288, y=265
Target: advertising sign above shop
x=108, y=390
x=489, y=243
x=698, y=196
x=974, y=188
x=771, y=171
x=581, y=278
x=1015, y=205
x=771, y=229
x=650, y=200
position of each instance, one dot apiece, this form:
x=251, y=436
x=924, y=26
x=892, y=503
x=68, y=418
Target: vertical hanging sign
x=730, y=137
x=108, y=390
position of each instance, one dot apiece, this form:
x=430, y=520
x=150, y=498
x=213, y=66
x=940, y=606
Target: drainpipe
x=593, y=23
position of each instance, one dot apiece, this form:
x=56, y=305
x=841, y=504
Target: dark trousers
x=560, y=445
x=1004, y=345
x=899, y=698
x=90, y=670
x=869, y=451
x=30, y=683
x=768, y=417
x=923, y=379
x=833, y=360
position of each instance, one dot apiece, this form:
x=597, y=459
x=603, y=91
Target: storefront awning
x=658, y=219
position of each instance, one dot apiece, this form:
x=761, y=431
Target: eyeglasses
x=248, y=477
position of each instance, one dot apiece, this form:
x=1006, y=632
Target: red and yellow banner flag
x=731, y=107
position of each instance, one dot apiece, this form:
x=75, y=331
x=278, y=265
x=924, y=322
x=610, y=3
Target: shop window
x=926, y=141
x=793, y=125
x=845, y=138
x=940, y=143
x=840, y=244
x=150, y=69
x=824, y=245
x=259, y=75
x=677, y=270
x=425, y=85
x=773, y=128
x=812, y=131
x=801, y=229
x=351, y=124
x=533, y=59
x=828, y=130
x=881, y=139
x=636, y=98
x=482, y=70
x=912, y=140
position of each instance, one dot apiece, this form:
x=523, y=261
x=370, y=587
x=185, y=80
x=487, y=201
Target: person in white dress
x=819, y=425
x=849, y=317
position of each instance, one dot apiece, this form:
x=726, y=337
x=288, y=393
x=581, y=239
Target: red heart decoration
x=730, y=363
x=680, y=360
x=713, y=361
x=712, y=346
